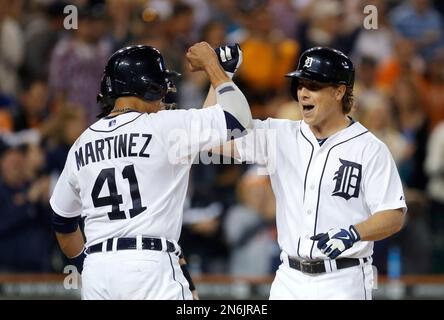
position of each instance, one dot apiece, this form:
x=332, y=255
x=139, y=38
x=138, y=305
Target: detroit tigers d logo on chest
x=348, y=180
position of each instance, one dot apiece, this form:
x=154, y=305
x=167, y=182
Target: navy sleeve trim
x=235, y=129
x=64, y=225
x=226, y=89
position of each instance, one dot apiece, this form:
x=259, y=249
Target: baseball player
x=336, y=185
x=127, y=175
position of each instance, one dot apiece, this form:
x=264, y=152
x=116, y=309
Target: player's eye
x=312, y=86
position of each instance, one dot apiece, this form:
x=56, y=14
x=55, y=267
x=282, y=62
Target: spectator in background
x=377, y=117
x=325, y=24
x=268, y=54
x=415, y=240
x=69, y=123
x=33, y=109
x=41, y=35
x=366, y=87
x=150, y=30
x=6, y=105
x=25, y=243
x=201, y=15
x=413, y=124
x=419, y=22
x=432, y=88
x=212, y=192
x=178, y=29
x=194, y=87
x=248, y=227
x=285, y=16
x=77, y=63
x=434, y=166
x=11, y=48
x=214, y=33
x=227, y=12
x=120, y=28
x=404, y=63
x=375, y=44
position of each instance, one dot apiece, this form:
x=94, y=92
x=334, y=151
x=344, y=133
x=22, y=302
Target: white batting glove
x=230, y=58
x=336, y=241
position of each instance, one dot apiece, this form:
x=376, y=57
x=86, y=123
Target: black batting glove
x=336, y=241
x=230, y=58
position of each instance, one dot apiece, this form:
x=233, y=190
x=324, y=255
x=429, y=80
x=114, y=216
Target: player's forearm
x=233, y=102
x=71, y=244
x=228, y=149
x=187, y=275
x=381, y=225
x=216, y=73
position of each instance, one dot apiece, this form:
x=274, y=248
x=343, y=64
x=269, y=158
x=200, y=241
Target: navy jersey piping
x=309, y=162
x=363, y=279
x=174, y=276
x=116, y=127
x=116, y=115
x=320, y=183
x=299, y=243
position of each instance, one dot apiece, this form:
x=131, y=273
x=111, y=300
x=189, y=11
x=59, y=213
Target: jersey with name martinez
x=127, y=175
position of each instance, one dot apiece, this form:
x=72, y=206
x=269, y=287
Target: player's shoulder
x=176, y=113
x=371, y=144
x=84, y=136
x=115, y=124
x=184, y=113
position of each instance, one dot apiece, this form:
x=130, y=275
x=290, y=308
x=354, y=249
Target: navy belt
x=315, y=267
x=131, y=244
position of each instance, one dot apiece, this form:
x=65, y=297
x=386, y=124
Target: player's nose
x=303, y=93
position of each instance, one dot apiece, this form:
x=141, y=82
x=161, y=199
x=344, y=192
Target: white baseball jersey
x=344, y=181
x=128, y=174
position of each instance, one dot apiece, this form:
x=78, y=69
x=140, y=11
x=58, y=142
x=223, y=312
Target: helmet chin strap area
x=168, y=106
x=169, y=102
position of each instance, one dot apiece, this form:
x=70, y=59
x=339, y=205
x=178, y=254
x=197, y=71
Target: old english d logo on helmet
x=325, y=65
x=308, y=62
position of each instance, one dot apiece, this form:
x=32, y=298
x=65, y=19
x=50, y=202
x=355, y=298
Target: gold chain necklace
x=121, y=110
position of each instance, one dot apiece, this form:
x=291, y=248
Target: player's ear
x=340, y=92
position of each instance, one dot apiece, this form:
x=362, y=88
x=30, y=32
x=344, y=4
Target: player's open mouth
x=308, y=107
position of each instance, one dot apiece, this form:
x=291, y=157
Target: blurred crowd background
x=49, y=78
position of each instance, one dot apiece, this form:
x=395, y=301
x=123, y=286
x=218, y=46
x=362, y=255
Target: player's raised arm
x=202, y=57
x=230, y=58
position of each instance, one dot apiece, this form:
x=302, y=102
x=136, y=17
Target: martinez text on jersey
x=119, y=146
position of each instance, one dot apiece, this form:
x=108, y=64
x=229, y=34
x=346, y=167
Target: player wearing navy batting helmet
x=336, y=185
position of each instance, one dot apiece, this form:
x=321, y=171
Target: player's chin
x=309, y=118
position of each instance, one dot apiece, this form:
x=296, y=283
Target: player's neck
x=330, y=126
x=125, y=104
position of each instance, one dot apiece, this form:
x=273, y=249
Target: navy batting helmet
x=135, y=71
x=325, y=65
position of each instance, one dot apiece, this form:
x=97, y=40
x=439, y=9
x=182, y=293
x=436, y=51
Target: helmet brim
x=300, y=74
